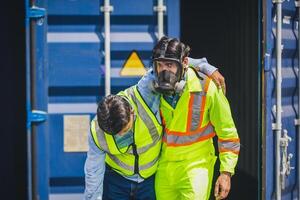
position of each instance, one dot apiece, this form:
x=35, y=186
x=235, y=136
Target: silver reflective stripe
x=231, y=146
x=165, y=136
x=101, y=138
x=196, y=107
x=175, y=139
x=145, y=148
x=196, y=110
x=120, y=163
x=147, y=120
x=150, y=164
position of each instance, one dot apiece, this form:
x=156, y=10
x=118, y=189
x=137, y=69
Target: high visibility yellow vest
x=191, y=125
x=142, y=156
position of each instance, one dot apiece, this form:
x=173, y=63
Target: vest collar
x=193, y=82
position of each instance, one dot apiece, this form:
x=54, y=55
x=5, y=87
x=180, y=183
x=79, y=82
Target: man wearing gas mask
x=193, y=110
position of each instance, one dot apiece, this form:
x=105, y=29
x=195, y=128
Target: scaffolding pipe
x=278, y=124
x=107, y=9
x=160, y=8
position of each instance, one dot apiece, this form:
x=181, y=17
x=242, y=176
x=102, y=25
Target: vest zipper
x=136, y=160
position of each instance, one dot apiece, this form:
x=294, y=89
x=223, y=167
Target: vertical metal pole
x=278, y=95
x=34, y=178
x=160, y=19
x=160, y=8
x=298, y=120
x=28, y=100
x=107, y=9
x=298, y=152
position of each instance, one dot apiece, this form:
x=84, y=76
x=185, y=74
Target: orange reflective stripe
x=229, y=145
x=229, y=140
x=179, y=133
x=162, y=118
x=187, y=139
x=211, y=135
x=206, y=84
x=222, y=150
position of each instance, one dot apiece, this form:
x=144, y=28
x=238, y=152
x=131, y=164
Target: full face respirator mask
x=167, y=82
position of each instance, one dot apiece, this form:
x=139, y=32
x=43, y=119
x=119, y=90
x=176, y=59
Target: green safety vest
x=142, y=156
x=201, y=112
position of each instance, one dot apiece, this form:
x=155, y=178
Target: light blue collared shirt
x=203, y=65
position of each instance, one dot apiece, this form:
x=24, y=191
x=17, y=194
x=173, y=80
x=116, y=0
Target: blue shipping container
x=287, y=175
x=67, y=73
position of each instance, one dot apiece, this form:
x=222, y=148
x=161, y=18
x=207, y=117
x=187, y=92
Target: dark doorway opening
x=13, y=106
x=227, y=33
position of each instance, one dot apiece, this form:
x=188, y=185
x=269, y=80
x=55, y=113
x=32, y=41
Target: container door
x=76, y=74
x=289, y=98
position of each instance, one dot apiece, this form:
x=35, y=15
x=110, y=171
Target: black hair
x=113, y=114
x=170, y=48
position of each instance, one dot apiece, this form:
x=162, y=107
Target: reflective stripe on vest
x=120, y=163
x=146, y=119
x=194, y=132
x=100, y=136
x=183, y=140
x=196, y=99
x=229, y=145
x=150, y=164
x=196, y=116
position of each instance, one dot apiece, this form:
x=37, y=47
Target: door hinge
x=36, y=116
x=36, y=12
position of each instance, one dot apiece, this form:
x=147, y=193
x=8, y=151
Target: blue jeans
x=116, y=187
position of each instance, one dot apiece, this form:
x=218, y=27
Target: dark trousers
x=116, y=187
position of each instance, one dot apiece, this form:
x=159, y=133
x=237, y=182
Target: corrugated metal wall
x=289, y=91
x=227, y=33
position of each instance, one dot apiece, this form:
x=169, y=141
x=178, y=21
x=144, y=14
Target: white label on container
x=76, y=128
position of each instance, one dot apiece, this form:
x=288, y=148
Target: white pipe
x=278, y=96
x=107, y=9
x=160, y=18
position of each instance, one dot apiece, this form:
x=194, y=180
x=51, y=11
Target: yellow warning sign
x=133, y=66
